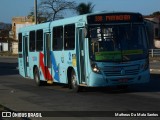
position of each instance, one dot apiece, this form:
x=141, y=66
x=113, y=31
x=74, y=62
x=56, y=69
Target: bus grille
x=121, y=70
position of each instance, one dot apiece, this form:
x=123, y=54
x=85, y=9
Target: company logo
x=20, y=114
x=6, y=114
x=123, y=72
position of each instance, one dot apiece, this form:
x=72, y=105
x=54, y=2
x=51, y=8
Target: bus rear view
x=118, y=49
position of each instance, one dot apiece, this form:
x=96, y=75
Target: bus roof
x=81, y=18
x=75, y=19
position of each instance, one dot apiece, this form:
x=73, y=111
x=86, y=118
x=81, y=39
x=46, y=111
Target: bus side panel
x=60, y=62
x=33, y=62
x=70, y=61
x=36, y=59
x=45, y=72
x=57, y=60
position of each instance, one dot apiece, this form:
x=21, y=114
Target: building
x=155, y=20
x=17, y=23
x=4, y=36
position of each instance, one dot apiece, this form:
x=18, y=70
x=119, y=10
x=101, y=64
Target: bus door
x=81, y=55
x=47, y=59
x=25, y=55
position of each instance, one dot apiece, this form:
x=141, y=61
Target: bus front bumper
x=99, y=80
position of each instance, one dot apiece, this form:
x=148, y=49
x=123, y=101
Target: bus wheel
x=37, y=77
x=74, y=85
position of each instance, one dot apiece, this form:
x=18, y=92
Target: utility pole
x=35, y=11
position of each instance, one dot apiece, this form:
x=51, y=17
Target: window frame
x=32, y=41
x=56, y=36
x=39, y=47
x=69, y=37
x=19, y=42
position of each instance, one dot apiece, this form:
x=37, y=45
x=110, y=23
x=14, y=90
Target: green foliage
x=154, y=14
x=84, y=8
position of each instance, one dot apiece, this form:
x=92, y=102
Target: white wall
x=4, y=46
x=15, y=47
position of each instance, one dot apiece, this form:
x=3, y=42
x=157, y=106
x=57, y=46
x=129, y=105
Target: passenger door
x=81, y=56
x=47, y=59
x=25, y=55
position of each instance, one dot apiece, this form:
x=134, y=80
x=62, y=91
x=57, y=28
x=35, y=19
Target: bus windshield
x=124, y=42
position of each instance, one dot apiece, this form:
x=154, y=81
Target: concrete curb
x=155, y=70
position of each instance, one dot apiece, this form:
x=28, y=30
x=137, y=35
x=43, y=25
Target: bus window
x=69, y=37
x=32, y=41
x=127, y=42
x=58, y=38
x=39, y=40
x=20, y=42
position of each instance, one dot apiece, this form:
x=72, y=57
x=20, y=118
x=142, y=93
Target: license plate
x=124, y=80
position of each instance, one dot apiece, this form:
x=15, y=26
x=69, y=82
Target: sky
x=15, y=8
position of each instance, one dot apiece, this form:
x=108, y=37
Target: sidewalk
x=155, y=71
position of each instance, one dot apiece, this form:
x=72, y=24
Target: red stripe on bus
x=47, y=75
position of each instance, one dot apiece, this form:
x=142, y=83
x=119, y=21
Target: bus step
x=49, y=82
x=84, y=85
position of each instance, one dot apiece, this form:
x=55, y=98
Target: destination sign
x=114, y=18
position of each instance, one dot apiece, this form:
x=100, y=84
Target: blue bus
x=92, y=50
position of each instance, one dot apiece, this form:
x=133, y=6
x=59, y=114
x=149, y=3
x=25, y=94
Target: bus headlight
x=145, y=66
x=95, y=68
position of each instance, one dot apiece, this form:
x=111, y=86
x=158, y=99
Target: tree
x=40, y=16
x=4, y=31
x=84, y=8
x=157, y=13
x=53, y=9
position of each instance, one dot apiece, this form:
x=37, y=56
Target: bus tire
x=37, y=77
x=74, y=85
